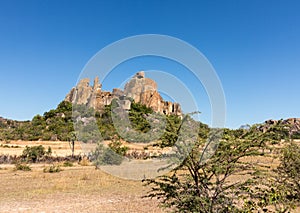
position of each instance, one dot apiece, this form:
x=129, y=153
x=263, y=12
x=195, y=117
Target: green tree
x=203, y=184
x=137, y=116
x=35, y=153
x=286, y=183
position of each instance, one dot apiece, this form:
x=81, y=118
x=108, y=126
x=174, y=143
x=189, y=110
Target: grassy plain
x=75, y=189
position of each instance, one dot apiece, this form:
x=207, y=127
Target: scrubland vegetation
x=249, y=169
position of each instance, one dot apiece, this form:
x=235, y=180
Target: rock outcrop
x=291, y=124
x=140, y=89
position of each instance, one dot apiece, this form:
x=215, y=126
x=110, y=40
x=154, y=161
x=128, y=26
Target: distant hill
x=55, y=124
x=289, y=127
x=140, y=98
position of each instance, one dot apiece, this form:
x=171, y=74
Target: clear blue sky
x=254, y=46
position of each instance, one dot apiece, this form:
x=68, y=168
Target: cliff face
x=140, y=89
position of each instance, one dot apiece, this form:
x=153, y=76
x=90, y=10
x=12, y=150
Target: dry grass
x=79, y=188
x=76, y=189
x=59, y=148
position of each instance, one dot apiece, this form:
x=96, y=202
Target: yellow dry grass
x=75, y=189
x=80, y=188
x=59, y=148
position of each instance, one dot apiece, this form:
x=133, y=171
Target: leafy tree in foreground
x=284, y=190
x=225, y=182
x=290, y=170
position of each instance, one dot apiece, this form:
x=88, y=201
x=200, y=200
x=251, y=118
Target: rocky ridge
x=293, y=125
x=139, y=89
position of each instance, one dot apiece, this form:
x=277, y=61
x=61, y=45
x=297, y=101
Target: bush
x=68, y=164
x=52, y=169
x=110, y=157
x=288, y=173
x=35, y=153
x=84, y=162
x=106, y=156
x=22, y=167
x=117, y=146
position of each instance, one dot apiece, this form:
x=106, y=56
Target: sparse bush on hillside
x=57, y=124
x=53, y=125
x=137, y=117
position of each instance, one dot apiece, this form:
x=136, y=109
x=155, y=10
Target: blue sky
x=254, y=47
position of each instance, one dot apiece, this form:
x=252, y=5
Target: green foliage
x=137, y=117
x=22, y=167
x=170, y=135
x=296, y=135
x=140, y=118
x=110, y=157
x=67, y=164
x=288, y=174
x=64, y=106
x=52, y=169
x=105, y=156
x=53, y=125
x=118, y=148
x=35, y=153
x=105, y=124
x=202, y=184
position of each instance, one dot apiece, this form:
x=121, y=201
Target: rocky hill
x=290, y=125
x=139, y=89
x=9, y=123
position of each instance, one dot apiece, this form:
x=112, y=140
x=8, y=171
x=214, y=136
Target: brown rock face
x=140, y=89
x=292, y=124
x=81, y=94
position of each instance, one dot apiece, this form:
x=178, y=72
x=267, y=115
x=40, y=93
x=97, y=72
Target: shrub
x=35, y=153
x=22, y=167
x=117, y=146
x=111, y=158
x=106, y=156
x=288, y=174
x=52, y=169
x=68, y=164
